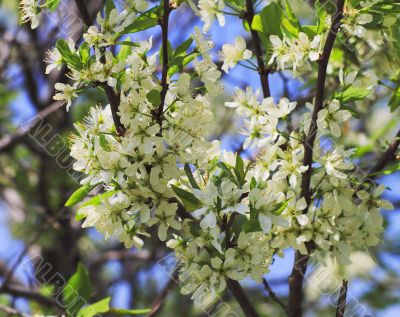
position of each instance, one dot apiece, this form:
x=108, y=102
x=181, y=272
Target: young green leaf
x=102, y=306
x=181, y=49
x=352, y=94
x=190, y=176
x=145, y=21
x=77, y=291
x=72, y=59
x=79, y=194
x=96, y=200
x=251, y=225
x=154, y=97
x=52, y=5
x=123, y=311
x=189, y=200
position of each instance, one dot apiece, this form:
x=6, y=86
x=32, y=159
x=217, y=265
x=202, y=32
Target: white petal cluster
x=353, y=22
x=223, y=216
x=296, y=52
x=211, y=10
x=231, y=54
x=331, y=117
x=30, y=12
x=104, y=33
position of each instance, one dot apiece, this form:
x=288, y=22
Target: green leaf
x=77, y=291
x=238, y=223
x=145, y=21
x=179, y=62
x=190, y=176
x=181, y=49
x=84, y=53
x=109, y=7
x=129, y=43
x=154, y=97
x=290, y=28
x=281, y=207
x=227, y=171
x=170, y=52
x=310, y=30
x=125, y=49
x=352, y=94
x=394, y=101
x=79, y=194
x=52, y=4
x=96, y=200
x=69, y=57
x=102, y=306
x=189, y=200
x=123, y=311
x=104, y=143
x=267, y=23
x=251, y=225
x=239, y=170
x=271, y=17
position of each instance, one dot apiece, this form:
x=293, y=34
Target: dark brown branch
x=160, y=300
x=112, y=97
x=388, y=156
x=19, y=291
x=242, y=299
x=300, y=266
x=12, y=311
x=341, y=306
x=84, y=12
x=164, y=21
x=296, y=285
x=273, y=296
x=262, y=70
x=319, y=100
x=9, y=141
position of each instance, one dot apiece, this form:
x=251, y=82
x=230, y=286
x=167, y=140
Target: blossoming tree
x=305, y=185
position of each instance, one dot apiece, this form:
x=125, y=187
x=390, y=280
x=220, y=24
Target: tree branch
x=387, y=156
x=164, y=21
x=19, y=291
x=242, y=299
x=11, y=311
x=262, y=70
x=341, y=306
x=160, y=300
x=319, y=100
x=300, y=264
x=272, y=294
x=112, y=97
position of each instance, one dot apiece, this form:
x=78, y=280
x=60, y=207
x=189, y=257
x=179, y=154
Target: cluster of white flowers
x=232, y=54
x=30, y=12
x=295, y=51
x=211, y=10
x=224, y=217
x=353, y=22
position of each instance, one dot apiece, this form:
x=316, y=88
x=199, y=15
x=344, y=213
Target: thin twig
x=262, y=70
x=160, y=300
x=12, y=311
x=387, y=156
x=9, y=141
x=341, y=306
x=273, y=295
